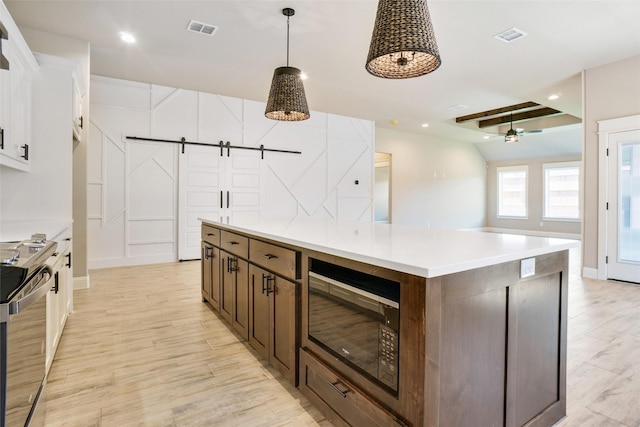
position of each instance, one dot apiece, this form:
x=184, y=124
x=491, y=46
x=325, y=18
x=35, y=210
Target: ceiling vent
x=202, y=28
x=510, y=35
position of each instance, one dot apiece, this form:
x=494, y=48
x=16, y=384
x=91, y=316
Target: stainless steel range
x=24, y=283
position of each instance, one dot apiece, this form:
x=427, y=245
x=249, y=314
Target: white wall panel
x=219, y=117
x=176, y=116
x=119, y=93
x=151, y=230
x=145, y=198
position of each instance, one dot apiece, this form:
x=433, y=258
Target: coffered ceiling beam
x=496, y=111
x=525, y=115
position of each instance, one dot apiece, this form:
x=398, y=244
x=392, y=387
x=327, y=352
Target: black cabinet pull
x=266, y=284
x=68, y=259
x=207, y=252
x=1, y=139
x=335, y=387
x=227, y=199
x=81, y=122
x=56, y=285
x=26, y=152
x=230, y=267
x=220, y=199
x=269, y=256
x=232, y=243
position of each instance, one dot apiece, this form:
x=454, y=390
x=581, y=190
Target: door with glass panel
x=623, y=214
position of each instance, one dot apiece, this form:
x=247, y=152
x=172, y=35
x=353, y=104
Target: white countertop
x=13, y=231
x=425, y=252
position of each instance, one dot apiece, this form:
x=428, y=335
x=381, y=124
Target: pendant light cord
x=287, y=41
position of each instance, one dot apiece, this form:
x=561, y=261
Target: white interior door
x=200, y=193
x=623, y=214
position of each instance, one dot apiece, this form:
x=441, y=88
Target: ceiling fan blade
x=530, y=131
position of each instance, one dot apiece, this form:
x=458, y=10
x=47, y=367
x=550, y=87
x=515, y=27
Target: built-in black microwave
x=355, y=316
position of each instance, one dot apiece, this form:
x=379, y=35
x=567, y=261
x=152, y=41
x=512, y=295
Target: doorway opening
x=382, y=188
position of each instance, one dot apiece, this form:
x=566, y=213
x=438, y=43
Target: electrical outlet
x=527, y=267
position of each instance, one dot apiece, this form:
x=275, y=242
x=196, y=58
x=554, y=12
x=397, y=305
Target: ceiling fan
x=513, y=135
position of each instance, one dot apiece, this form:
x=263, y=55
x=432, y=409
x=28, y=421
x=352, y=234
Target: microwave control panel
x=388, y=357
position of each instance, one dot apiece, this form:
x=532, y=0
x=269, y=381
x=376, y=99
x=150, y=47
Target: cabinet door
x=214, y=291
x=205, y=266
x=241, y=297
x=282, y=326
x=259, y=310
x=227, y=285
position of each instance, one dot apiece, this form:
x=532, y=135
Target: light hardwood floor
x=141, y=349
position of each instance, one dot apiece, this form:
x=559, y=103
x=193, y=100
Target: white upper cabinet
x=15, y=96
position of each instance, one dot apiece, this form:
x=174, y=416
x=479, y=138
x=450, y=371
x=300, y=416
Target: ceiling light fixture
x=553, y=97
x=512, y=134
x=127, y=37
x=403, y=43
x=287, y=100
x=425, y=125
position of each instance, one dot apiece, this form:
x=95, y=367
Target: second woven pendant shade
x=403, y=43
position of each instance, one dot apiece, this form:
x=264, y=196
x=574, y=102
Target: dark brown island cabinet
x=371, y=345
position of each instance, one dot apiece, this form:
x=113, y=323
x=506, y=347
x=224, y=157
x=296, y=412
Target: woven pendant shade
x=287, y=100
x=403, y=43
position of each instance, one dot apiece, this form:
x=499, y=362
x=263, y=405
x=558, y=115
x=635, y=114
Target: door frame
x=605, y=129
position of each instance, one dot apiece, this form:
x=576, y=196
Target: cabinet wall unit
x=60, y=297
x=251, y=284
x=15, y=97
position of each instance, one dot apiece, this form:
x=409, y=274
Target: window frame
x=519, y=168
x=561, y=165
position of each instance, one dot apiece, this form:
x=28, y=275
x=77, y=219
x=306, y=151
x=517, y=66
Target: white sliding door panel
x=201, y=174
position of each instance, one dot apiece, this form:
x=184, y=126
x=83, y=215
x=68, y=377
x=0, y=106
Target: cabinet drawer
x=275, y=258
x=235, y=244
x=345, y=404
x=211, y=234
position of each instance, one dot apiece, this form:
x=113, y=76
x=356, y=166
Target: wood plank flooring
x=141, y=349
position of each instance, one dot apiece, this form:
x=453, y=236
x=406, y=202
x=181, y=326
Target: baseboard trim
x=590, y=273
x=81, y=282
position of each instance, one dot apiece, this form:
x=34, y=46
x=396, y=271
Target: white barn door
x=201, y=177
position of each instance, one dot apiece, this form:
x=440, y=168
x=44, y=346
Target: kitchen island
x=480, y=320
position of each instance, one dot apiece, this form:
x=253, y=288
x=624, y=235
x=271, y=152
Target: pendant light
x=511, y=135
x=403, y=43
x=287, y=100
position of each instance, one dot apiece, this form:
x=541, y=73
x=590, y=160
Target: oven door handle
x=39, y=290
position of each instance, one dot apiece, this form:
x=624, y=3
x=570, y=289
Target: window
x=562, y=190
x=512, y=191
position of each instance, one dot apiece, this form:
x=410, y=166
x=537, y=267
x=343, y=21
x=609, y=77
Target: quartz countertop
x=425, y=252
x=13, y=231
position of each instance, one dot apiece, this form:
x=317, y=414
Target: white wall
x=133, y=186
x=435, y=183
x=610, y=91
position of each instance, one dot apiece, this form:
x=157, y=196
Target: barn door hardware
x=222, y=145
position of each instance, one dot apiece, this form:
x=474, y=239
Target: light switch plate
x=527, y=267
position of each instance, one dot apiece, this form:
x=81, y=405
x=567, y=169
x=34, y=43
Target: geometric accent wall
x=144, y=197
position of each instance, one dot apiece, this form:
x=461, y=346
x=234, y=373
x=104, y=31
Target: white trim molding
x=81, y=282
x=605, y=129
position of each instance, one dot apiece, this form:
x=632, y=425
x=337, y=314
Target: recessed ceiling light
x=127, y=37
x=425, y=125
x=553, y=97
x=486, y=137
